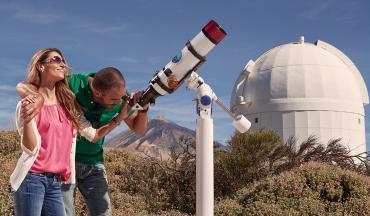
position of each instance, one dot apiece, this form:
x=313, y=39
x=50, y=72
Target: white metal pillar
x=204, y=166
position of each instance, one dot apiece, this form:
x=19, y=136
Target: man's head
x=108, y=87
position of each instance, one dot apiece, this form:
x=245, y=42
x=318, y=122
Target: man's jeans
x=91, y=180
x=39, y=194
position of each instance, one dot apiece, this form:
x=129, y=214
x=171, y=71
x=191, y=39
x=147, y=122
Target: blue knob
x=205, y=100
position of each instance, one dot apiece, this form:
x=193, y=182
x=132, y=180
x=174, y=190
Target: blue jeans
x=39, y=194
x=91, y=180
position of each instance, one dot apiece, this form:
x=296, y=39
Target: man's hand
x=135, y=98
x=137, y=121
x=123, y=113
x=31, y=105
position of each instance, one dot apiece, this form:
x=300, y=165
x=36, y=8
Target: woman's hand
x=31, y=105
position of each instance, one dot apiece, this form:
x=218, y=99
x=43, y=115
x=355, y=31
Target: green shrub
x=245, y=160
x=164, y=185
x=312, y=189
x=256, y=155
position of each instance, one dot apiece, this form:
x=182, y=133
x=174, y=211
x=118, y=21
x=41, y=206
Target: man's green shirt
x=86, y=151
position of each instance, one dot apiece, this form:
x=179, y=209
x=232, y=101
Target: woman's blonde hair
x=64, y=95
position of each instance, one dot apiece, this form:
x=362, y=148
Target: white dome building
x=302, y=89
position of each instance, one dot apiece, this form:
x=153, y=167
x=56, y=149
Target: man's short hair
x=108, y=78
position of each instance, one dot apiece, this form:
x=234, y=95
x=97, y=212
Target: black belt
x=47, y=174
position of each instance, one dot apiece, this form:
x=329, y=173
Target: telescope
x=188, y=60
x=183, y=67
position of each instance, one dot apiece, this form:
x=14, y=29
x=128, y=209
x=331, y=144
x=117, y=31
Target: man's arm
x=32, y=100
x=139, y=122
x=105, y=129
x=93, y=135
x=24, y=89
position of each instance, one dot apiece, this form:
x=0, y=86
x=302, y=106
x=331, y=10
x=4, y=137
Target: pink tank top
x=56, y=132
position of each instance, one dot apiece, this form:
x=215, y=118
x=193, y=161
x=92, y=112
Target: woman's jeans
x=91, y=180
x=39, y=194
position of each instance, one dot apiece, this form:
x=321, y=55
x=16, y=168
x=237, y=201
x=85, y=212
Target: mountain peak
x=161, y=118
x=161, y=137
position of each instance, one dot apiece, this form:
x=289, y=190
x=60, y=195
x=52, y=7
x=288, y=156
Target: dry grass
x=135, y=183
x=257, y=175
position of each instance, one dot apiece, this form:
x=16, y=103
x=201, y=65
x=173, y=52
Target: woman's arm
x=26, y=130
x=29, y=139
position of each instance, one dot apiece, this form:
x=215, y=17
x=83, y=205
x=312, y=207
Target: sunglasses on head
x=55, y=59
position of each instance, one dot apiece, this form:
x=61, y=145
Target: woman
x=48, y=140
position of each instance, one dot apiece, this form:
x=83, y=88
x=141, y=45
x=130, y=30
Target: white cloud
x=181, y=109
x=127, y=59
x=37, y=16
x=316, y=10
x=340, y=11
x=5, y=114
x=7, y=88
x=13, y=67
x=150, y=60
x=29, y=15
x=177, y=113
x=8, y=102
x=7, y=120
x=102, y=28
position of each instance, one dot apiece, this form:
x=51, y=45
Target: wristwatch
x=144, y=110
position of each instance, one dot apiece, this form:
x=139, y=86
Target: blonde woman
x=48, y=140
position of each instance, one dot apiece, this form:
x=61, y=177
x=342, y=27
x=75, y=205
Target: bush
x=253, y=156
x=149, y=186
x=9, y=142
x=312, y=189
x=167, y=185
x=9, y=153
x=245, y=160
x=228, y=207
x=137, y=186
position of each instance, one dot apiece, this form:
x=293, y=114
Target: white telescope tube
x=189, y=59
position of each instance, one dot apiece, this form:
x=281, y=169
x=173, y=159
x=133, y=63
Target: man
x=100, y=95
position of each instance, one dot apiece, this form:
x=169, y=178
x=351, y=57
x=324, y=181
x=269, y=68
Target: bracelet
x=144, y=110
x=115, y=121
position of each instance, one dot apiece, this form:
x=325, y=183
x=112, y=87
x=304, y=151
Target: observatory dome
x=303, y=89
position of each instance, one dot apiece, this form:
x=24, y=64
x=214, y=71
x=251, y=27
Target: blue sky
x=140, y=37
